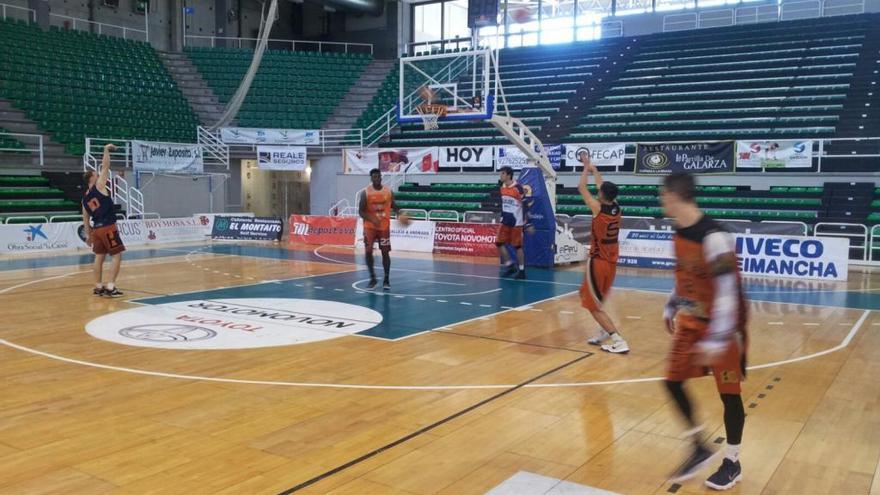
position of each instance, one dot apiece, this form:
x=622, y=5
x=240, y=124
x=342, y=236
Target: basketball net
x=430, y=114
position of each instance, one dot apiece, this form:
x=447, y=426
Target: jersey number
x=612, y=230
x=93, y=204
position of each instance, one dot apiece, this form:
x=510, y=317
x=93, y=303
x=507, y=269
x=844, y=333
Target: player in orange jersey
x=514, y=212
x=602, y=260
x=376, y=204
x=706, y=315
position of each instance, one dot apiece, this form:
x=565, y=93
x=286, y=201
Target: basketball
x=404, y=219
x=522, y=16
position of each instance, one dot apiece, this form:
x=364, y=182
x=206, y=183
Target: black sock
x=734, y=417
x=676, y=390
x=386, y=265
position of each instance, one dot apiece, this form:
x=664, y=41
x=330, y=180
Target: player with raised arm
x=706, y=315
x=102, y=235
x=602, y=259
x=376, y=205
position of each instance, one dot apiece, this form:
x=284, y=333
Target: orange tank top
x=604, y=229
x=379, y=204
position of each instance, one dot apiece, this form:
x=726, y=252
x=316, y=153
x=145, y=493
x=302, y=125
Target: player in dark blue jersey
x=102, y=234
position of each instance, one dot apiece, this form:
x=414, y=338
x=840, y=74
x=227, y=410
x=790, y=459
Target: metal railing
x=36, y=148
x=27, y=14
x=18, y=218
x=79, y=24
x=851, y=231
x=874, y=243
x=214, y=150
x=785, y=11
x=293, y=45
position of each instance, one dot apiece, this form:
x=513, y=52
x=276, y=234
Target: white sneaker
x=616, y=347
x=601, y=336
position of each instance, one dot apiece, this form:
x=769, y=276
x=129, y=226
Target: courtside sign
x=818, y=258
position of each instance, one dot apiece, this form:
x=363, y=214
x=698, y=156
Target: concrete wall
x=181, y=196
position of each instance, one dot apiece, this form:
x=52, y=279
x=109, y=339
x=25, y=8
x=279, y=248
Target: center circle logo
x=167, y=333
x=218, y=324
x=656, y=160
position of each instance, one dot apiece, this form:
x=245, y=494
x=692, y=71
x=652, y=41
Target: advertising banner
x=282, y=158
x=247, y=228
x=249, y=135
x=174, y=229
x=206, y=220
x=166, y=157
x=466, y=156
x=601, y=154
x=820, y=258
x=418, y=236
x=314, y=229
x=696, y=158
x=778, y=153
x=572, y=241
x=466, y=239
x=28, y=238
x=511, y=156
x=393, y=161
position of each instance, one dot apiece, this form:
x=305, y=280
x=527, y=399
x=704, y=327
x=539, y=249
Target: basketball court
x=266, y=368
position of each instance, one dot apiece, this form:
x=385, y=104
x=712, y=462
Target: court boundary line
x=844, y=343
x=429, y=427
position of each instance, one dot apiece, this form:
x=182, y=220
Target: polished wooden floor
x=77, y=416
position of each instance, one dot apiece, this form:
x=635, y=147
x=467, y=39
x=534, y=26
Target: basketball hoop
x=431, y=114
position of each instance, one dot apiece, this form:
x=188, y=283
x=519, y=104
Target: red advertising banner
x=466, y=239
x=323, y=229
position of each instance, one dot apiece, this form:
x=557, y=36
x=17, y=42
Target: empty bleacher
x=794, y=204
x=295, y=90
x=787, y=79
x=32, y=196
x=75, y=84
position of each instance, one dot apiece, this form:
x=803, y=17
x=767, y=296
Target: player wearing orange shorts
x=706, y=315
x=376, y=204
x=514, y=211
x=602, y=260
x=102, y=236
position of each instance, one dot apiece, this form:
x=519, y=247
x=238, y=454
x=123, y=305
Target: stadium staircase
x=201, y=98
x=360, y=95
x=73, y=84
x=291, y=90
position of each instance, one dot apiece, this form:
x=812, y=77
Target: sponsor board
x=173, y=229
x=247, y=228
x=232, y=323
x=313, y=229
x=418, y=236
x=818, y=258
x=511, y=156
x=166, y=157
x=696, y=158
x=206, y=220
x=392, y=161
x=251, y=135
x=132, y=233
x=780, y=153
x=601, y=154
x=466, y=239
x=282, y=158
x=821, y=258
x=27, y=238
x=466, y=156
x=567, y=247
